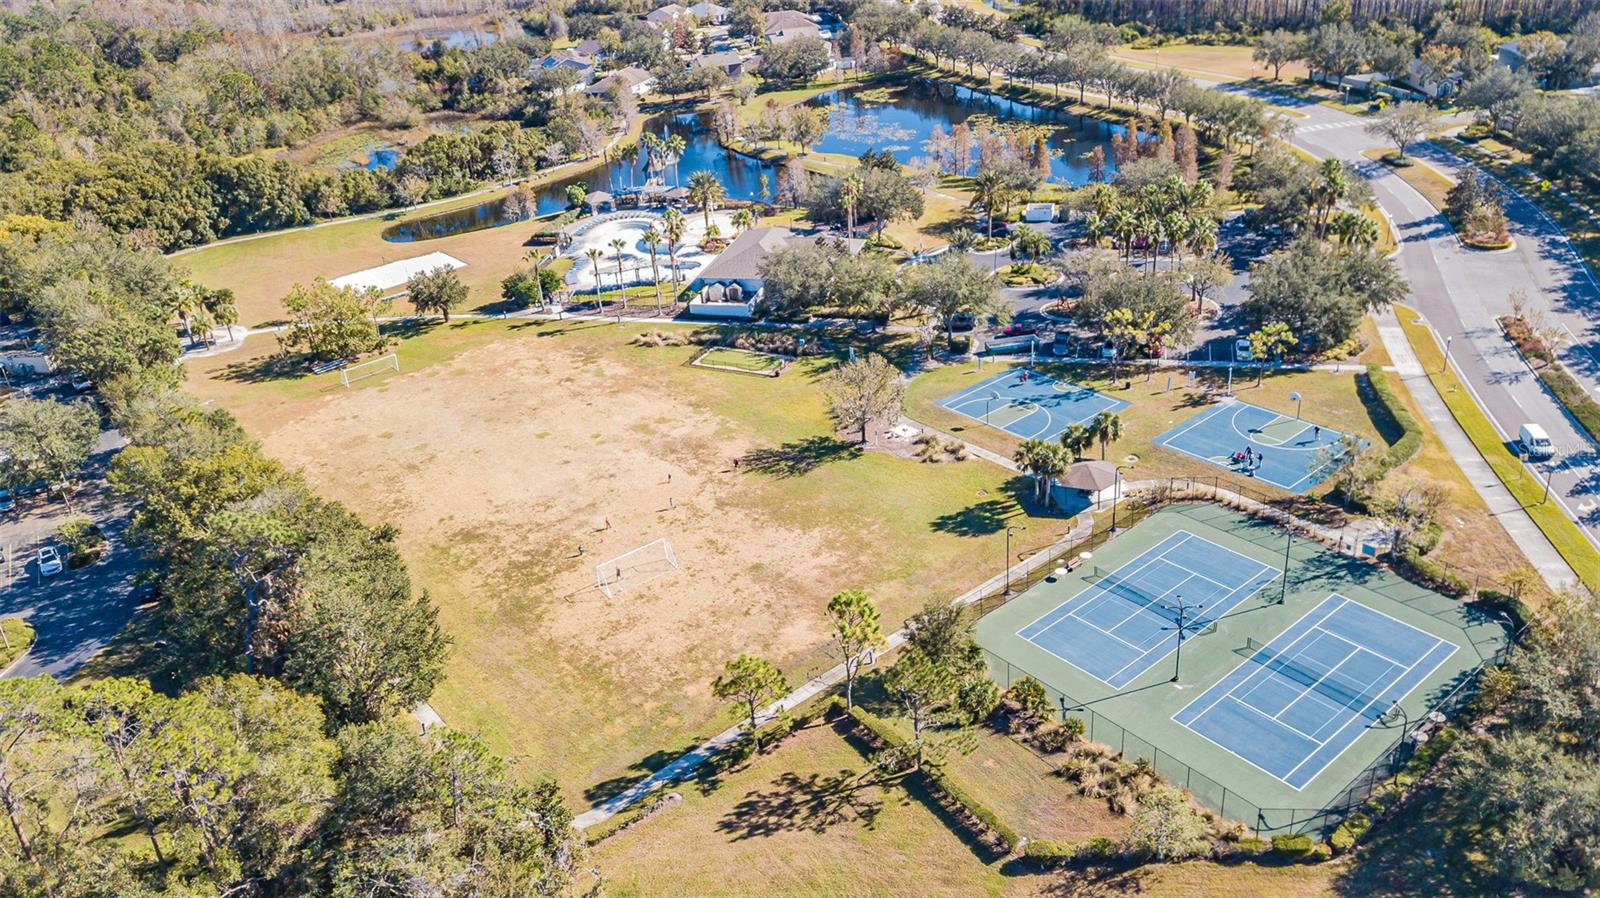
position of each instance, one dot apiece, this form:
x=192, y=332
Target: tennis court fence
x=1214, y=795
x=1266, y=821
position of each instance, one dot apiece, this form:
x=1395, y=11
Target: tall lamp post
x=1116, y=496
x=1288, y=540
x=1009, y=531
x=1185, y=622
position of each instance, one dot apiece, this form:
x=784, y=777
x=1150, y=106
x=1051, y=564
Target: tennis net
x=1323, y=682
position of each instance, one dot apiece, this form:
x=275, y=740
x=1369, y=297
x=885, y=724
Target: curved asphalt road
x=1460, y=292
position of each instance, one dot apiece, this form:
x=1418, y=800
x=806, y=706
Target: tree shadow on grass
x=638, y=772
x=813, y=803
x=980, y=518
x=1420, y=851
x=798, y=457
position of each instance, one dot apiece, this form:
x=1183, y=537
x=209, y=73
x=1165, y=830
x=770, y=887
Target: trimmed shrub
x=1572, y=395
x=1352, y=829
x=83, y=540
x=1292, y=846
x=1074, y=727
x=1046, y=853
x=1410, y=441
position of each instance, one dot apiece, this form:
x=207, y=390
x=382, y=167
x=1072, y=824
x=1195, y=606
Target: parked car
x=6, y=502
x=1242, y=351
x=1018, y=330
x=50, y=562
x=962, y=321
x=80, y=383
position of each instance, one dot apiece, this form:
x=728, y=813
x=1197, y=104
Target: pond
x=903, y=125
x=856, y=125
x=740, y=176
x=451, y=38
x=382, y=157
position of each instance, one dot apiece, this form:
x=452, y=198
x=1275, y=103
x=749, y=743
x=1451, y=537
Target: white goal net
x=631, y=570
x=353, y=373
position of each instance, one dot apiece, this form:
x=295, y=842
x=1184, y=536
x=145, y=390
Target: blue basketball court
x=1309, y=694
x=1287, y=452
x=1030, y=405
x=1127, y=621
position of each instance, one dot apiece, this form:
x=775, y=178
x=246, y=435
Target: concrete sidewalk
x=1505, y=508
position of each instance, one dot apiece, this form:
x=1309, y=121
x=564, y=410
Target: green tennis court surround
x=1297, y=685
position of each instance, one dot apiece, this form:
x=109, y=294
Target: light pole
x=1283, y=593
x=1009, y=531
x=1184, y=624
x=1549, y=475
x=1446, y=366
x=1116, y=496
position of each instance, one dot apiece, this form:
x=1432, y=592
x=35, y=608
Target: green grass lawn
x=1524, y=486
x=807, y=820
x=18, y=635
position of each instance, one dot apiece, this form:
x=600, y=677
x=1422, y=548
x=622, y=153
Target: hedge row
x=1410, y=441
x=940, y=783
x=1046, y=853
x=1574, y=397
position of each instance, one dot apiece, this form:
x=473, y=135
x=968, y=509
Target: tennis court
x=1308, y=695
x=1128, y=620
x=1289, y=453
x=1301, y=671
x=1030, y=405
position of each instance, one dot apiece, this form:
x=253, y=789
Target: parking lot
x=75, y=613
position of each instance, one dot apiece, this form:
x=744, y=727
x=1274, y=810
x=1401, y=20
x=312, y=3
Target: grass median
x=1528, y=490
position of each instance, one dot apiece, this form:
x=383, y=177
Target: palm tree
x=617, y=245
x=593, y=253
x=963, y=240
x=705, y=191
x=988, y=191
x=1106, y=428
x=743, y=220
x=1332, y=185
x=629, y=153
x=850, y=190
x=1094, y=228
x=1203, y=235
x=651, y=238
x=1036, y=458
x=1354, y=229
x=1123, y=227
x=1075, y=439
x=675, y=145
x=672, y=226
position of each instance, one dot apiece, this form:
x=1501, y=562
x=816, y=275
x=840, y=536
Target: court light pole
x=1184, y=611
x=1116, y=497
x=1288, y=540
x=1445, y=366
x=1008, y=530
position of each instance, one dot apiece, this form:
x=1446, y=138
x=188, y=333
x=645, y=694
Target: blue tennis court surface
x=1289, y=449
x=1030, y=405
x=1126, y=622
x=1309, y=694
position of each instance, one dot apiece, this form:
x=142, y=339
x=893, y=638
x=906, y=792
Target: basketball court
x=1030, y=405
x=1288, y=452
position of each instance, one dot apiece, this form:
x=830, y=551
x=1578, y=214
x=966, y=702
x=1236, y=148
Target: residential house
x=732, y=285
x=728, y=61
x=1510, y=55
x=569, y=60
x=591, y=47
x=633, y=79
x=788, y=24
x=710, y=13
x=664, y=16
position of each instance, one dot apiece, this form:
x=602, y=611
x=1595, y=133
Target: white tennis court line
x=1167, y=441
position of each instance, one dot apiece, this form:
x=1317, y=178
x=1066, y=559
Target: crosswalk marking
x=1324, y=126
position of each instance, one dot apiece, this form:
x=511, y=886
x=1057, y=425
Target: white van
x=1535, y=442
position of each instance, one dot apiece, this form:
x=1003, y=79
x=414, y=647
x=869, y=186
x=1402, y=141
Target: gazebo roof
x=596, y=197
x=1092, y=476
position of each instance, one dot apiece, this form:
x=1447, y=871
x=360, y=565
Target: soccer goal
x=636, y=568
x=353, y=373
